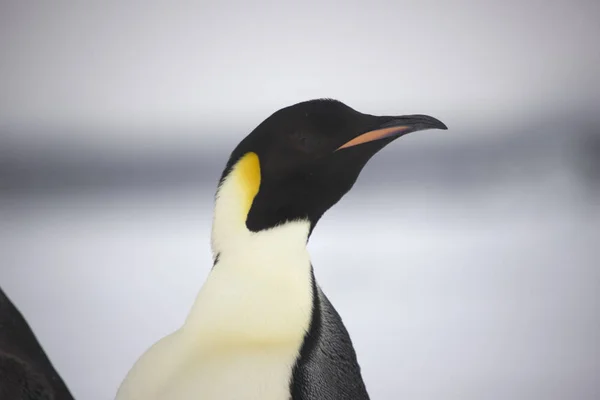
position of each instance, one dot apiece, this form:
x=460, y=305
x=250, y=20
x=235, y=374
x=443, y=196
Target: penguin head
x=304, y=158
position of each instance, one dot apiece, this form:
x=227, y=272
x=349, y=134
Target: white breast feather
x=246, y=327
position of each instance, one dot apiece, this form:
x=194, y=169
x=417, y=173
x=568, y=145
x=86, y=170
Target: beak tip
x=437, y=124
x=416, y=123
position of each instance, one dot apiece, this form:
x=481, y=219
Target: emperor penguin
x=261, y=328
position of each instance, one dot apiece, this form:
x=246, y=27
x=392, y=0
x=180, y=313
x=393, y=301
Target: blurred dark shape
x=587, y=157
x=26, y=373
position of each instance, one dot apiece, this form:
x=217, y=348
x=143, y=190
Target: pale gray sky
x=125, y=65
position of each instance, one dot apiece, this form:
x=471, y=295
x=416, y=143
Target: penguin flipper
x=327, y=368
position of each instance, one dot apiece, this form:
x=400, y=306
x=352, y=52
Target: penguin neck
x=233, y=202
x=230, y=235
x=260, y=288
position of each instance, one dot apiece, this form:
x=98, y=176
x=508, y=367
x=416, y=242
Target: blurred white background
x=465, y=262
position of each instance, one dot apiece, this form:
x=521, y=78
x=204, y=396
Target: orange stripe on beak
x=374, y=135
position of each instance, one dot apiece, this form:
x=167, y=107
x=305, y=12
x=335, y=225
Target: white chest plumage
x=245, y=329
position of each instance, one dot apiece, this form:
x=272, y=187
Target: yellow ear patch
x=247, y=176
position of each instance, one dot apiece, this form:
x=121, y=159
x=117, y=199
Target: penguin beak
x=394, y=127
